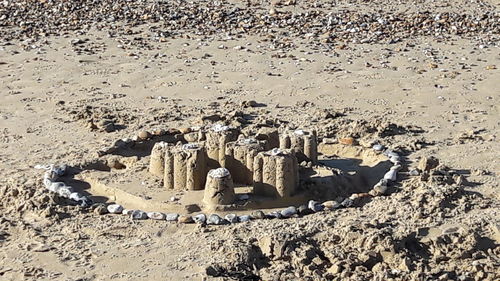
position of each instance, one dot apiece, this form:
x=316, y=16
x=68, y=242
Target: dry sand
x=424, y=95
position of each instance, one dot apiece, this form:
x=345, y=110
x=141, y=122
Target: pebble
x=232, y=218
x=127, y=212
x=244, y=218
x=331, y=205
x=391, y=175
x=378, y=147
x=138, y=215
x=100, y=209
x=143, y=135
x=395, y=159
x=115, y=209
x=347, y=203
x=274, y=215
x=185, y=219
x=156, y=215
x=428, y=163
x=215, y=219
x=200, y=218
x=347, y=141
x=75, y=196
x=172, y=217
x=304, y=210
x=85, y=202
x=315, y=206
x=243, y=197
x=289, y=212
x=258, y=214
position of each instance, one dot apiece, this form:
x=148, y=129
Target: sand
x=430, y=97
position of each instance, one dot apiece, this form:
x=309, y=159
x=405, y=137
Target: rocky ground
x=419, y=77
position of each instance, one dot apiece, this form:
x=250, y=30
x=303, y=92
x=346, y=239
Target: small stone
x=379, y=190
x=100, y=209
x=315, y=206
x=428, y=163
x=143, y=135
x=243, y=197
x=244, y=218
x=215, y=219
x=304, y=210
x=127, y=212
x=258, y=214
x=289, y=212
x=331, y=205
x=395, y=159
x=172, y=217
x=138, y=215
x=232, y=218
x=250, y=103
x=158, y=132
x=115, y=208
x=347, y=203
x=272, y=11
x=347, y=141
x=191, y=137
x=274, y=215
x=378, y=147
x=491, y=67
x=156, y=215
x=185, y=219
x=200, y=218
x=391, y=175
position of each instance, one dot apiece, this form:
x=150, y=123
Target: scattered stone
x=127, y=212
x=414, y=172
x=304, y=210
x=172, y=217
x=215, y=219
x=156, y=215
x=391, y=175
x=200, y=218
x=289, y=212
x=331, y=205
x=100, y=209
x=143, y=135
x=274, y=215
x=378, y=147
x=258, y=214
x=232, y=218
x=244, y=218
x=115, y=209
x=315, y=206
x=348, y=202
x=185, y=219
x=138, y=215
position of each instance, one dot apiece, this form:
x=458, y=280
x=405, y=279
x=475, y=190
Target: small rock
x=243, y=197
x=244, y=218
x=101, y=209
x=347, y=203
x=249, y=103
x=378, y=147
x=156, y=215
x=391, y=175
x=289, y=212
x=215, y=219
x=143, y=135
x=258, y=214
x=232, y=218
x=331, y=205
x=138, y=215
x=185, y=130
x=315, y=206
x=185, y=219
x=428, y=163
x=172, y=217
x=304, y=210
x=274, y=215
x=127, y=212
x=115, y=208
x=200, y=218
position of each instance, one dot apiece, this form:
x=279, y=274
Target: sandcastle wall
x=276, y=173
x=185, y=167
x=303, y=143
x=239, y=159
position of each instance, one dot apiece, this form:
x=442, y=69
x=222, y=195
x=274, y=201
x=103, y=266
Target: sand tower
x=302, y=143
x=239, y=159
x=185, y=167
x=219, y=188
x=275, y=173
x=216, y=139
